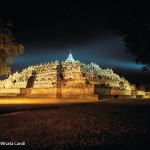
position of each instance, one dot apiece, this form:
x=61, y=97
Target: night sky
x=49, y=30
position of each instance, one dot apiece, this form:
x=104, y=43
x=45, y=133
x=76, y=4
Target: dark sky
x=49, y=30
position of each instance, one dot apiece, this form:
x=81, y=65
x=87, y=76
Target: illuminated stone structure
x=66, y=79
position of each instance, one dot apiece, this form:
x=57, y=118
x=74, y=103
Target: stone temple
x=66, y=79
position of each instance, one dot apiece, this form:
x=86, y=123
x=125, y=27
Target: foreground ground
x=110, y=124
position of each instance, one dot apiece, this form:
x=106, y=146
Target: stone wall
x=124, y=92
x=102, y=91
x=9, y=92
x=86, y=92
x=140, y=93
x=39, y=92
x=76, y=92
x=113, y=92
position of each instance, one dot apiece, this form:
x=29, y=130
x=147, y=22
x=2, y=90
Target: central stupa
x=70, y=58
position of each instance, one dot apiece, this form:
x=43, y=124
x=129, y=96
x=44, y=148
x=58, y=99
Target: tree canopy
x=8, y=49
x=131, y=21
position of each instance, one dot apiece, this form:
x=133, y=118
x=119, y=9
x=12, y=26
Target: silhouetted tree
x=8, y=49
x=131, y=20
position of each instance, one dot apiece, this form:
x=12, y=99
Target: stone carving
x=69, y=73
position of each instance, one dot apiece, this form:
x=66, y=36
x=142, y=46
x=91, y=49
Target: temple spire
x=70, y=58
